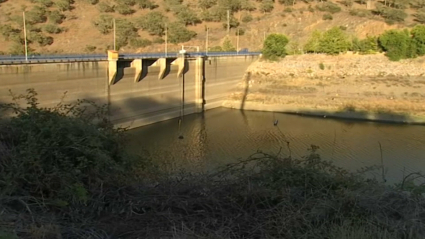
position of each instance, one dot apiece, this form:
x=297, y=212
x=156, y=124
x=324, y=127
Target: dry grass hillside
x=85, y=26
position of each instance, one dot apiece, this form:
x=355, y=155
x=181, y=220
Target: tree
x=369, y=45
x=274, y=46
x=63, y=5
x=188, y=16
x=206, y=4
x=125, y=31
x=418, y=37
x=227, y=45
x=334, y=41
x=146, y=4
x=104, y=23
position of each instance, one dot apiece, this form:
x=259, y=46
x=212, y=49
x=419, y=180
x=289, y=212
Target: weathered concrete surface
x=141, y=92
x=350, y=86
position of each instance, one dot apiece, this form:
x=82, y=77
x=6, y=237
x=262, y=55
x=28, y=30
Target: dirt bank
x=353, y=86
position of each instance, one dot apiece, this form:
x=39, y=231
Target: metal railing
x=104, y=57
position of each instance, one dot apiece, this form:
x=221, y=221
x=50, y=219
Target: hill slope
x=77, y=26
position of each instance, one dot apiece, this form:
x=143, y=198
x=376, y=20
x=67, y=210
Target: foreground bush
x=63, y=153
x=57, y=155
x=274, y=46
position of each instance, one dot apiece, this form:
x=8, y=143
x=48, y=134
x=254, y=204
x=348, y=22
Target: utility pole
x=115, y=36
x=166, y=40
x=237, y=41
x=228, y=22
x=206, y=43
x=25, y=37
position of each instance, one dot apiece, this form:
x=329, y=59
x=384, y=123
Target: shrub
x=124, y=9
x=104, y=7
x=267, y=5
x=158, y=40
x=327, y=16
x=420, y=17
x=139, y=43
x=146, y=4
x=246, y=18
x=53, y=29
x=90, y=48
x=321, y=66
x=125, y=31
x=418, y=37
x=205, y=4
x=63, y=5
x=395, y=43
x=227, y=45
x=368, y=45
x=328, y=7
x=45, y=3
x=334, y=41
x=93, y=2
x=390, y=14
x=56, y=17
x=126, y=2
x=233, y=22
x=247, y=5
x=8, y=32
x=178, y=33
x=153, y=22
x=240, y=32
x=104, y=23
x=58, y=155
x=287, y=9
x=274, y=46
x=360, y=12
x=188, y=16
x=36, y=15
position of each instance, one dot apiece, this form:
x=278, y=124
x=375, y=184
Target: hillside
x=85, y=26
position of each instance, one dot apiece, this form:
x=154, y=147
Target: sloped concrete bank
x=368, y=87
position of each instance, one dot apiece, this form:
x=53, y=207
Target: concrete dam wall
x=139, y=92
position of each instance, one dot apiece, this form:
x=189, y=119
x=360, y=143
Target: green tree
x=206, y=4
x=274, y=46
x=63, y=5
x=232, y=5
x=334, y=41
x=105, y=7
x=418, y=38
x=395, y=43
x=247, y=5
x=56, y=17
x=125, y=31
x=178, y=33
x=369, y=45
x=36, y=15
x=154, y=23
x=146, y=4
x=188, y=16
x=104, y=23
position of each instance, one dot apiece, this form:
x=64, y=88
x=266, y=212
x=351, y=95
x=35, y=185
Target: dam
x=138, y=89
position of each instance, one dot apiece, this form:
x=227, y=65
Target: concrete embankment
x=349, y=86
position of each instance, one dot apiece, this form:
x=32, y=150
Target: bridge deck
x=10, y=60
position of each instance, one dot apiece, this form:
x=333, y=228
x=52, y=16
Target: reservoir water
x=222, y=136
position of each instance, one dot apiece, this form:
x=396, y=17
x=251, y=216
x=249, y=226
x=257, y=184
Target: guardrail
x=4, y=60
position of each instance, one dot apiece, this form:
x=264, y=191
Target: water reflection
x=222, y=135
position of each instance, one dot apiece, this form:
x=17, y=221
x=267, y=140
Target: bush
x=104, y=7
x=57, y=155
x=45, y=3
x=234, y=23
x=247, y=18
x=321, y=66
x=9, y=32
x=53, y=29
x=187, y=16
x=267, y=5
x=124, y=9
x=125, y=30
x=153, y=22
x=360, y=12
x=56, y=17
x=146, y=4
x=390, y=14
x=139, y=43
x=63, y=5
x=328, y=7
x=227, y=45
x=178, y=33
x=93, y=2
x=274, y=46
x=205, y=4
x=396, y=44
x=368, y=45
x=36, y=15
x=216, y=49
x=90, y=48
x=104, y=23
x=334, y=41
x=240, y=32
x=327, y=16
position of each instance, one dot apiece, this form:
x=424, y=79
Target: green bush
x=288, y=9
x=321, y=66
x=125, y=31
x=158, y=40
x=327, y=16
x=104, y=7
x=90, y=48
x=267, y=5
x=56, y=17
x=247, y=5
x=234, y=23
x=240, y=32
x=188, y=16
x=153, y=22
x=63, y=5
x=396, y=44
x=420, y=17
x=104, y=23
x=126, y=2
x=334, y=41
x=139, y=43
x=45, y=3
x=146, y=4
x=205, y=4
x=216, y=49
x=328, y=7
x=274, y=46
x=368, y=45
x=227, y=45
x=93, y=2
x=246, y=18
x=53, y=29
x=418, y=37
x=124, y=9
x=178, y=33
x=9, y=32
x=360, y=12
x=36, y=15
x=58, y=155
x=390, y=14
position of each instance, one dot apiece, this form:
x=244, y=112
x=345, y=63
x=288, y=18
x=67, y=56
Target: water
x=222, y=136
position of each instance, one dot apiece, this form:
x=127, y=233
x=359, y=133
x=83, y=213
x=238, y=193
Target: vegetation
x=274, y=46
x=64, y=174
